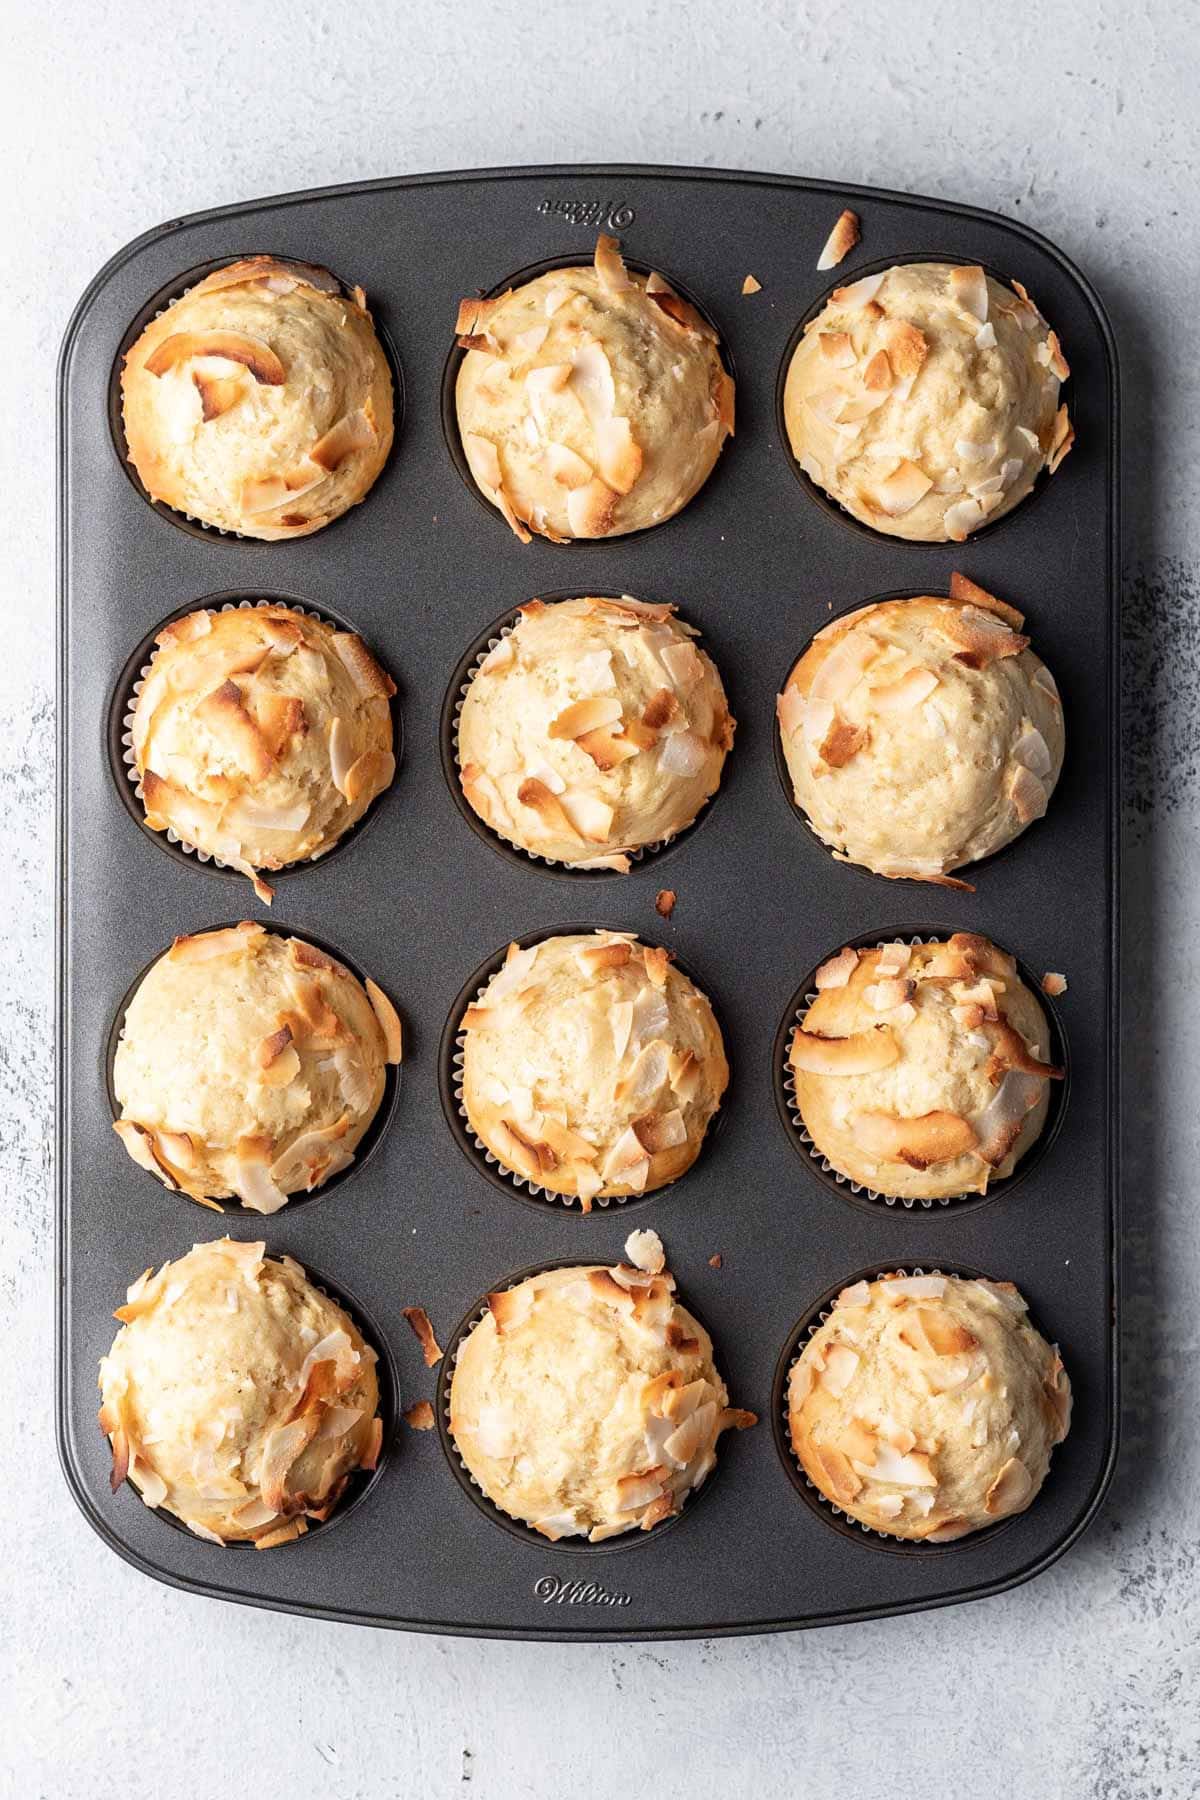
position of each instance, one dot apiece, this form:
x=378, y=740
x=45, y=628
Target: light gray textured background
x=1081, y=120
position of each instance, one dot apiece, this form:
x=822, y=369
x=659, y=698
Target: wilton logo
x=551, y=1590
x=615, y=214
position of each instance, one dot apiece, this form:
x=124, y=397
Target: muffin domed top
x=260, y=401
x=591, y=1066
x=926, y=1406
x=237, y=1395
x=250, y=1064
x=586, y=1401
x=922, y=1069
x=260, y=735
x=925, y=399
x=922, y=734
x=593, y=728
x=591, y=401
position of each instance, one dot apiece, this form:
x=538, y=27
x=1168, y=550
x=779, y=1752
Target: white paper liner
x=635, y=856
x=788, y=1083
x=127, y=756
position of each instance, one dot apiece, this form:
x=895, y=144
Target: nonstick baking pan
x=422, y=896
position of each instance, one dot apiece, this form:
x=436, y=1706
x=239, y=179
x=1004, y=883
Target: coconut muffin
x=921, y=735
x=250, y=1064
x=920, y=1070
x=585, y=1402
x=260, y=735
x=591, y=401
x=238, y=1396
x=926, y=1406
x=591, y=1067
x=594, y=728
x=260, y=401
x=925, y=400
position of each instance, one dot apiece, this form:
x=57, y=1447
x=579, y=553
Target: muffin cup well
x=964, y=871
x=368, y=1144
x=452, y=706
x=825, y=1509
x=458, y=456
x=833, y=508
x=178, y=289
x=120, y=723
x=360, y=1482
x=450, y=1063
x=854, y=1192
x=458, y=1468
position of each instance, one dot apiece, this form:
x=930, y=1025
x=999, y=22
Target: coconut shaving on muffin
x=591, y=401
x=927, y=1406
x=924, y=400
x=586, y=1402
x=921, y=735
x=250, y=1064
x=593, y=729
x=260, y=401
x=590, y=1067
x=260, y=735
x=237, y=1396
x=921, y=1070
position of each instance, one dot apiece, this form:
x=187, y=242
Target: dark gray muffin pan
x=420, y=899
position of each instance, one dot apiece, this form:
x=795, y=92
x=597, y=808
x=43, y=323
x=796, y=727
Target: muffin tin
x=758, y=564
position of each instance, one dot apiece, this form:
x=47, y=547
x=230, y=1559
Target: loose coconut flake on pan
x=841, y=240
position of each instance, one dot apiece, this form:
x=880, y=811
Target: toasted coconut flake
x=964, y=517
x=589, y=714
x=878, y=376
x=983, y=637
x=372, y=682
x=863, y=1053
x=859, y=293
x=645, y=1251
x=837, y=347
x=656, y=961
x=664, y=902
x=226, y=717
x=838, y=1477
x=678, y=309
x=1011, y=1490
x=476, y=314
x=352, y=433
x=1062, y=439
x=1002, y=1120
x=484, y=461
x=255, y=1188
x=837, y=971
x=842, y=670
x=1028, y=794
x=907, y=348
x=618, y=455
x=964, y=589
x=510, y=1308
x=614, y=277
x=969, y=288
x=932, y=1138
x=888, y=993
x=537, y=796
x=418, y=1320
x=841, y=1362
x=896, y=1290
x=903, y=489
x=912, y=689
x=841, y=742
x=1053, y=984
x=751, y=286
x=230, y=346
x=568, y=469
x=660, y=1131
x=389, y=1022
x=590, y=509
x=218, y=393
x=419, y=1416
x=841, y=240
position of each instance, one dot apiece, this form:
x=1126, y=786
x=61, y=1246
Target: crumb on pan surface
x=922, y=1070
x=925, y=400
x=591, y=401
x=594, y=729
x=922, y=734
x=260, y=401
x=586, y=1402
x=927, y=1406
x=251, y=1065
x=260, y=735
x=238, y=1396
x=591, y=1066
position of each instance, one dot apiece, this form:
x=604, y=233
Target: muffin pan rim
x=527, y=185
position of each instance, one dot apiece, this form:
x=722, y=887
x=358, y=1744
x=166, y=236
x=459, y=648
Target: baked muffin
x=925, y=400
x=585, y=1401
x=926, y=1406
x=595, y=727
x=238, y=1396
x=920, y=1070
x=921, y=735
x=260, y=735
x=260, y=401
x=250, y=1064
x=591, y=401
x=591, y=1067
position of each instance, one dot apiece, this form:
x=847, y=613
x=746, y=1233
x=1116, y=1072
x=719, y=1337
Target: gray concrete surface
x=1081, y=120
